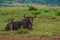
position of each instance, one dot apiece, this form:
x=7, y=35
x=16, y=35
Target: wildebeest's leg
x=15, y=26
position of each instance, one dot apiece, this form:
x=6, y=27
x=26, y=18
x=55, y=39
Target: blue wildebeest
x=26, y=23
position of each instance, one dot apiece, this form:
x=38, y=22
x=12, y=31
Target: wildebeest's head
x=29, y=20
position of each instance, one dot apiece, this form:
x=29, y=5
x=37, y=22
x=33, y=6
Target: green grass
x=46, y=23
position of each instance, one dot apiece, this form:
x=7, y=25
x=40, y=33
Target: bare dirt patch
x=26, y=37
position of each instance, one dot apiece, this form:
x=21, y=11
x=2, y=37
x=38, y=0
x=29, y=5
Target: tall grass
x=42, y=25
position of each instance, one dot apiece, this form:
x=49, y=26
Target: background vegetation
x=44, y=2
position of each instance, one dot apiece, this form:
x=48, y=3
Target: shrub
x=53, y=18
x=46, y=11
x=32, y=8
x=58, y=14
x=3, y=13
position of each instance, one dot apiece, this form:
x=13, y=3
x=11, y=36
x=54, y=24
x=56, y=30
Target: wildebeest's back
x=17, y=25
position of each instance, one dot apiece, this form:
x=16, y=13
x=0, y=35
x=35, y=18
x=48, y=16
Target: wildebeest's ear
x=34, y=16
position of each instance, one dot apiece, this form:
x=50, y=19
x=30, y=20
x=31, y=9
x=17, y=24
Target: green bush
x=32, y=8
x=58, y=14
x=3, y=13
x=53, y=18
x=46, y=11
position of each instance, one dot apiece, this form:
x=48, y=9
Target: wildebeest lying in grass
x=25, y=23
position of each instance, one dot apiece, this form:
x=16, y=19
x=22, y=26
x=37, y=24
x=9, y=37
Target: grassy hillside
x=46, y=23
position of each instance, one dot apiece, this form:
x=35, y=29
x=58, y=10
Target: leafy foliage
x=32, y=8
x=58, y=14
